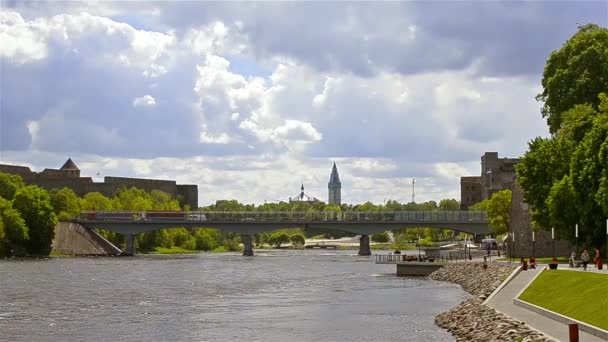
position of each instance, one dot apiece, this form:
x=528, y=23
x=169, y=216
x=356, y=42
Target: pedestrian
x=585, y=259
x=572, y=261
x=597, y=260
x=532, y=263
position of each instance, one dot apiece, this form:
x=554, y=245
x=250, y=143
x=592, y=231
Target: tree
x=96, y=201
x=449, y=205
x=9, y=184
x=575, y=74
x=380, y=237
x=13, y=233
x=34, y=205
x=277, y=239
x=499, y=212
x=297, y=240
x=65, y=203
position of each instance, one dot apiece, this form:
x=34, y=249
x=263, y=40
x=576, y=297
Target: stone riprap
x=473, y=321
x=473, y=278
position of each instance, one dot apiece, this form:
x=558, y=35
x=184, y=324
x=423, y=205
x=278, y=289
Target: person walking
x=597, y=260
x=585, y=259
x=572, y=261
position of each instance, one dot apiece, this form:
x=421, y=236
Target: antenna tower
x=413, y=190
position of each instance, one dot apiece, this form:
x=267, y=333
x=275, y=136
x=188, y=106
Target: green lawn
x=173, y=250
x=580, y=295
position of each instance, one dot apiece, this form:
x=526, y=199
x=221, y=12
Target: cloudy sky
x=247, y=100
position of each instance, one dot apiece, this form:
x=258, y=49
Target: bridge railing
x=293, y=216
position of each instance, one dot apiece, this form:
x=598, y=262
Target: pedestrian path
x=503, y=302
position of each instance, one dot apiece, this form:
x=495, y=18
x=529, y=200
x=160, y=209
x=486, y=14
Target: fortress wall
x=167, y=186
x=190, y=195
x=521, y=225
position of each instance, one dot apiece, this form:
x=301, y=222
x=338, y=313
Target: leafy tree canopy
x=575, y=74
x=9, y=184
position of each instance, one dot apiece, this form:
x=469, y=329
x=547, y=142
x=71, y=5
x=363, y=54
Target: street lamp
x=513, y=245
x=553, y=241
x=576, y=235
x=533, y=242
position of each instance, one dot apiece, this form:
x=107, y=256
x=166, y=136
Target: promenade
x=503, y=302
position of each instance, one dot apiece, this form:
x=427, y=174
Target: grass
x=580, y=295
x=173, y=250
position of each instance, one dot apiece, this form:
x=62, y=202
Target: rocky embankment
x=473, y=278
x=473, y=321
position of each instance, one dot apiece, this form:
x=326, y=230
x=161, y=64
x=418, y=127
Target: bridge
x=249, y=223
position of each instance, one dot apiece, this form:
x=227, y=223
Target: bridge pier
x=129, y=245
x=364, y=245
x=248, y=244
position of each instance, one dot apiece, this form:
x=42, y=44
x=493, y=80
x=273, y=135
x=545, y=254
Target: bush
x=205, y=240
x=232, y=245
x=189, y=244
x=164, y=238
x=180, y=235
x=297, y=240
x=380, y=237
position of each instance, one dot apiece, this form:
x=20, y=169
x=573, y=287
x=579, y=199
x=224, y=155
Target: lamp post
x=576, y=235
x=553, y=241
x=513, y=245
x=533, y=242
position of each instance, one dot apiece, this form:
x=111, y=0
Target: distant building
x=68, y=176
x=496, y=174
x=302, y=197
x=470, y=191
x=334, y=187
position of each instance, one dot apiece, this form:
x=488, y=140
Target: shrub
x=232, y=245
x=380, y=237
x=297, y=240
x=189, y=244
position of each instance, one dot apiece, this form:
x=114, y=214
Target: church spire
x=334, y=187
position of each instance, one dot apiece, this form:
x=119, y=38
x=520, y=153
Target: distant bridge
x=248, y=223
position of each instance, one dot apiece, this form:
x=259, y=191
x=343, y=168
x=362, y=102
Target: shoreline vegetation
x=473, y=321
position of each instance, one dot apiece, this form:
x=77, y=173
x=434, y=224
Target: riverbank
x=473, y=321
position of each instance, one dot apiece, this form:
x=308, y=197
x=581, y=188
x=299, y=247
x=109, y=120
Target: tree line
x=565, y=177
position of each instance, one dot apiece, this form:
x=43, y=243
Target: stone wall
x=189, y=194
x=521, y=225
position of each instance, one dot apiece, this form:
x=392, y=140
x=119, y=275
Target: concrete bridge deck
x=248, y=223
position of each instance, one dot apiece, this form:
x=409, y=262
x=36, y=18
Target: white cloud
x=144, y=101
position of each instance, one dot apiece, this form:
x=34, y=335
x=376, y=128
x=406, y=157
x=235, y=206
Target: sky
x=250, y=99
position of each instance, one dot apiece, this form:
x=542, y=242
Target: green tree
x=14, y=232
x=163, y=201
x=380, y=237
x=34, y=205
x=297, y=240
x=96, y=201
x=499, y=212
x=449, y=205
x=9, y=184
x=207, y=239
x=277, y=239
x=65, y=203
x=575, y=74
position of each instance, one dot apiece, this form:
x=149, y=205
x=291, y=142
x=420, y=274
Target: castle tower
x=335, y=187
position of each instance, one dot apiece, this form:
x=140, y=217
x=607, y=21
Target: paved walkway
x=503, y=302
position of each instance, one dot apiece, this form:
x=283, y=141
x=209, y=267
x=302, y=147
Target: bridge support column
x=364, y=245
x=129, y=245
x=248, y=244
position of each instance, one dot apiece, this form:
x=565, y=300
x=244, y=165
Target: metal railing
x=293, y=216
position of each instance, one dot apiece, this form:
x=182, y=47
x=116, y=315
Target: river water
x=309, y=295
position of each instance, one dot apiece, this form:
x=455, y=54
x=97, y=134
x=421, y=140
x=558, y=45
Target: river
x=309, y=295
